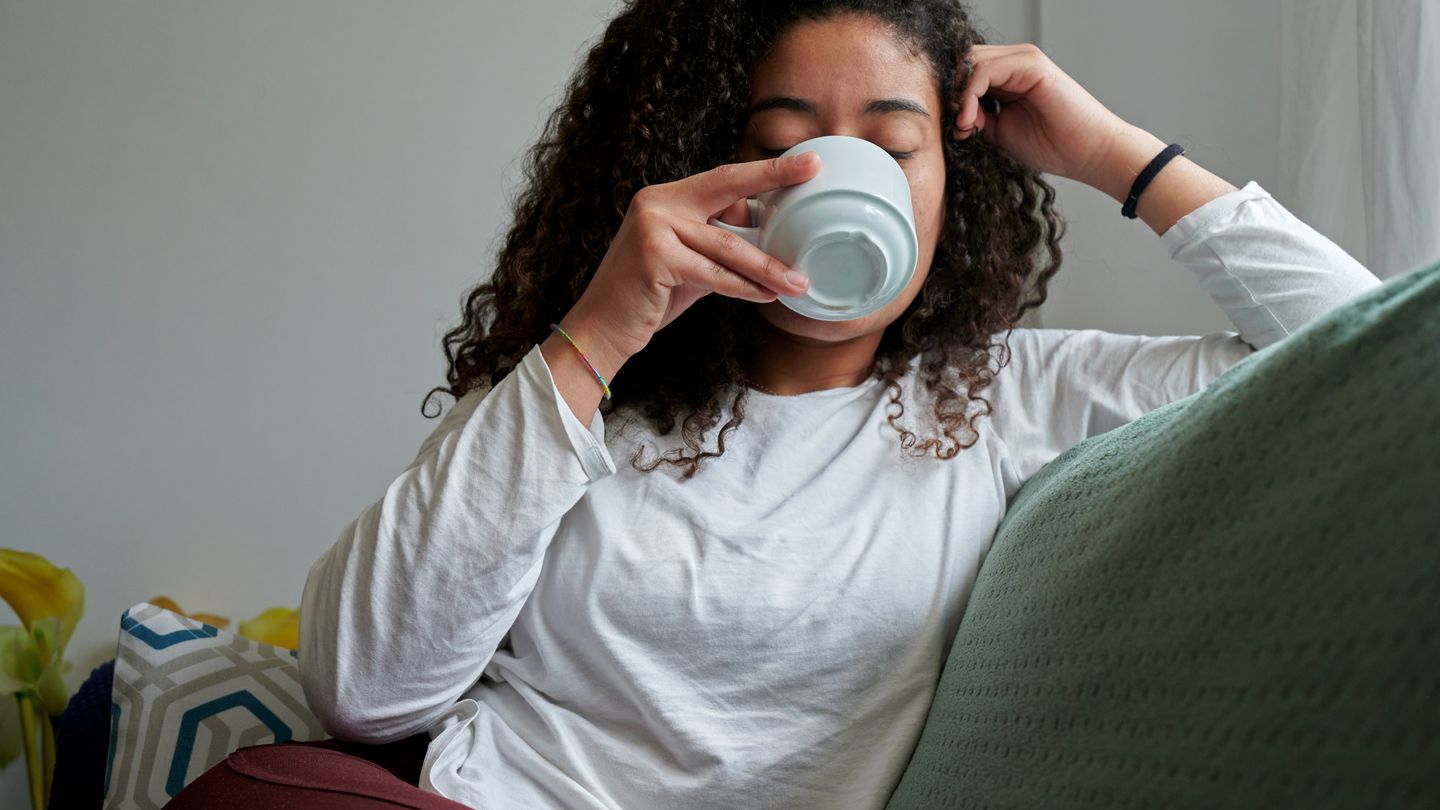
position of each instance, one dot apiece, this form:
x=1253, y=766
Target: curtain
x=1360, y=126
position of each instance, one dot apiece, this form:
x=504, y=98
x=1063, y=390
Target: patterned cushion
x=1229, y=602
x=186, y=695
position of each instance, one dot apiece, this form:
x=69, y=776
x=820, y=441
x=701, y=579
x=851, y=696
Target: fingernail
x=796, y=279
x=805, y=158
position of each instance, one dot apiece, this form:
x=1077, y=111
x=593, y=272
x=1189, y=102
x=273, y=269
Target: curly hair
x=663, y=94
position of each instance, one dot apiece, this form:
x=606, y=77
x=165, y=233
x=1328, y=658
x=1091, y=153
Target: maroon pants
x=316, y=776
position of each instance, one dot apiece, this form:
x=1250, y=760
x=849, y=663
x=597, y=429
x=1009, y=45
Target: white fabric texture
x=1359, y=124
x=573, y=633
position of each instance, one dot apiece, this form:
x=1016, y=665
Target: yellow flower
x=37, y=590
x=208, y=618
x=279, y=626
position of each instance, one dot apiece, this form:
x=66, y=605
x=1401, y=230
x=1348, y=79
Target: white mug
x=850, y=229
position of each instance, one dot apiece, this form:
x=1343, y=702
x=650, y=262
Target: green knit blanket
x=1233, y=601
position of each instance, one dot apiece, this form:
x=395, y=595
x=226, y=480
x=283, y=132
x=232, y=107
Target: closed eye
x=896, y=155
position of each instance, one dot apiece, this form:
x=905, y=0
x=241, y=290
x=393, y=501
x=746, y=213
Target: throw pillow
x=1229, y=602
x=186, y=695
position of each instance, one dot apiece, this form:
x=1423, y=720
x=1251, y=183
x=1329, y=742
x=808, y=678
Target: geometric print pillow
x=185, y=696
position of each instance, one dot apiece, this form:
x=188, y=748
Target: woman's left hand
x=1047, y=121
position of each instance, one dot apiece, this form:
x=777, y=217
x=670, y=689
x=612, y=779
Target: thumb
x=738, y=213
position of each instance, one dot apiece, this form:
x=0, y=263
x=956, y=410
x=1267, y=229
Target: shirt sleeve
x=400, y=616
x=1267, y=270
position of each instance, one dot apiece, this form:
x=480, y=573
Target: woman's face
x=824, y=77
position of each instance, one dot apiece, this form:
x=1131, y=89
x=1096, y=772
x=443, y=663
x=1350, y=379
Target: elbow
x=365, y=676
x=369, y=725
x=349, y=694
x=345, y=703
x=357, y=709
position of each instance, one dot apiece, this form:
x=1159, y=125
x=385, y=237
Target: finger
x=982, y=54
x=738, y=214
x=716, y=189
x=978, y=126
x=980, y=51
x=708, y=274
x=734, y=253
x=1006, y=77
x=967, y=121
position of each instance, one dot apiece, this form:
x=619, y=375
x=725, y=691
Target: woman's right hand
x=666, y=255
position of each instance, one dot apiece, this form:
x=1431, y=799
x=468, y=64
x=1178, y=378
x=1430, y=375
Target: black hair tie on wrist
x=1151, y=169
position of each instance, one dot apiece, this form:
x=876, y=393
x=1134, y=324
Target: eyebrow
x=877, y=106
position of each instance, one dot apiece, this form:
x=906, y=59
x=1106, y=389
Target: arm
x=1268, y=271
x=1049, y=123
x=400, y=616
x=1180, y=187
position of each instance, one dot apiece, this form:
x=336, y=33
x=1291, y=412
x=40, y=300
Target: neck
x=790, y=364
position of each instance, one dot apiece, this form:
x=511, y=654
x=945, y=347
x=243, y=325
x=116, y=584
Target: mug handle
x=752, y=234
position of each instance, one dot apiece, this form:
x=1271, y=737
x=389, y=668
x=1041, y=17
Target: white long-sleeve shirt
x=574, y=633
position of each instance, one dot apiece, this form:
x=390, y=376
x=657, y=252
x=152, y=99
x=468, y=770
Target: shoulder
x=449, y=421
x=1034, y=350
x=1047, y=370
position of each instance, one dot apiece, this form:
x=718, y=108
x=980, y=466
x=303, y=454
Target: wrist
x=595, y=340
x=1129, y=152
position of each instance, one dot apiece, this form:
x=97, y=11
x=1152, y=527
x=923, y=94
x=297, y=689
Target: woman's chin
x=793, y=323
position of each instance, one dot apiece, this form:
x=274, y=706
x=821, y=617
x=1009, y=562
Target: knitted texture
x=1233, y=601
x=82, y=739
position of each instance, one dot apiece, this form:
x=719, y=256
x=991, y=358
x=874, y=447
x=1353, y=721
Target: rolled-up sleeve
x=1267, y=270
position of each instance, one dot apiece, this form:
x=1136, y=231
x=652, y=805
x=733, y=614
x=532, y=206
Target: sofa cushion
x=1229, y=602
x=187, y=694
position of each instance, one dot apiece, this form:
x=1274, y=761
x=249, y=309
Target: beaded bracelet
x=555, y=327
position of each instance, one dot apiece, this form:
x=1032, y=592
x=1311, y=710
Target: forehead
x=842, y=62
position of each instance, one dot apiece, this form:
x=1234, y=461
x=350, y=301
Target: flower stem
x=47, y=742
x=35, y=769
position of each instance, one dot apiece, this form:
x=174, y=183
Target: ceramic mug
x=850, y=229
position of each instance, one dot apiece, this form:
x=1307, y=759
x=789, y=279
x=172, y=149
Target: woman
x=756, y=616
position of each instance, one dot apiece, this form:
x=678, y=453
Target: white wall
x=231, y=236
x=1005, y=21
x=1203, y=74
